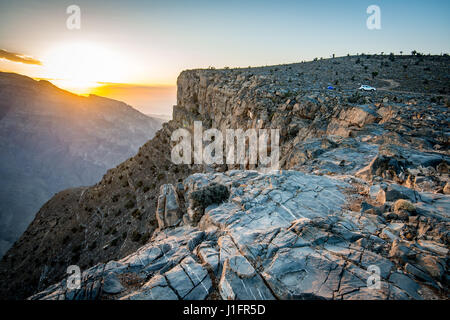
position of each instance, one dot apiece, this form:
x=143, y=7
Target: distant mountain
x=51, y=139
x=163, y=117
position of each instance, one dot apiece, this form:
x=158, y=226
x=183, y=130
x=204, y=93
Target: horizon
x=135, y=52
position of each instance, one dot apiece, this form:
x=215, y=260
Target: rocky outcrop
x=283, y=235
x=321, y=228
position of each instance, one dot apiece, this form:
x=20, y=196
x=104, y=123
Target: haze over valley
x=51, y=140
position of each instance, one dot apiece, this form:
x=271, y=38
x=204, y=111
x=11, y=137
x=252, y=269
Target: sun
x=80, y=67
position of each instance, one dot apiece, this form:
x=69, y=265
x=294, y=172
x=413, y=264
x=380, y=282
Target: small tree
x=374, y=74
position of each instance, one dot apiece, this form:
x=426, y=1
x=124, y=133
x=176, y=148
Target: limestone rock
x=288, y=236
x=168, y=212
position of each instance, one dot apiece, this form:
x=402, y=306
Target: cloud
x=17, y=57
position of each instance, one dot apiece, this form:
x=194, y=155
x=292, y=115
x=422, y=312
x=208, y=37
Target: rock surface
x=280, y=235
x=320, y=228
x=168, y=211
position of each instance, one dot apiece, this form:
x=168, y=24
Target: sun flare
x=80, y=67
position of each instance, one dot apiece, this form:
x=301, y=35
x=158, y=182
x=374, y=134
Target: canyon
x=51, y=140
x=363, y=185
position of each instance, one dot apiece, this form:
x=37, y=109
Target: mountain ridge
x=52, y=139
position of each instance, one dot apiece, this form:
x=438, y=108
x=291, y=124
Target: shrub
x=93, y=245
x=214, y=193
x=145, y=237
x=403, y=205
x=161, y=176
x=130, y=204
x=355, y=98
x=66, y=239
x=136, y=236
x=75, y=258
x=137, y=214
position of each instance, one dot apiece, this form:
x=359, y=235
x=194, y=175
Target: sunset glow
x=140, y=47
x=79, y=67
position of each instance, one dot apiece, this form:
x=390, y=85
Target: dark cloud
x=17, y=57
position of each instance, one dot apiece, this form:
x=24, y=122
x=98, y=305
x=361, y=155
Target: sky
x=134, y=50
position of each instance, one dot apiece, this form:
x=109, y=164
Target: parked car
x=367, y=88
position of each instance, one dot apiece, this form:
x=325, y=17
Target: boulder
x=168, y=212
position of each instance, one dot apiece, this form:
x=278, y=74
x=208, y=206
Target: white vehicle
x=367, y=88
